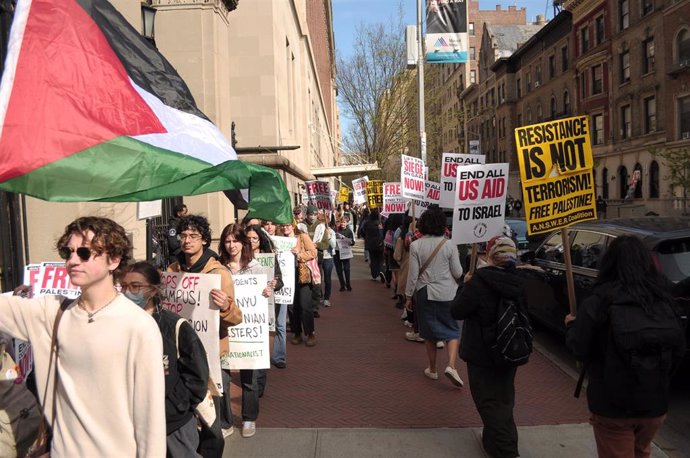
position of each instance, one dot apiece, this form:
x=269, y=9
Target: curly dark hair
x=196, y=223
x=108, y=237
x=238, y=233
x=432, y=221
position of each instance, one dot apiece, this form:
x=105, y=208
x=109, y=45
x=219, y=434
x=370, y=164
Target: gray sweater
x=441, y=274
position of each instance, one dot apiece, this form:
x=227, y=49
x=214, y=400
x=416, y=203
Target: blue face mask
x=138, y=299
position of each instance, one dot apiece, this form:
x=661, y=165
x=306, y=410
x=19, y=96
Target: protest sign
x=345, y=248
x=267, y=262
x=319, y=195
x=375, y=194
x=31, y=273
x=555, y=160
x=189, y=295
x=286, y=261
x=343, y=193
x=393, y=201
x=53, y=279
x=475, y=147
x=248, y=341
x=433, y=196
x=23, y=354
x=412, y=177
x=284, y=243
x=449, y=166
x=359, y=190
x=479, y=210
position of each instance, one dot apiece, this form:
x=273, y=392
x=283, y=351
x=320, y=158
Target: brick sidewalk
x=364, y=374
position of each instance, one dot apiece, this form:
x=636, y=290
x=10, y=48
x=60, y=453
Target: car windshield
x=674, y=258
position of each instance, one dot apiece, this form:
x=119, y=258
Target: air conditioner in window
x=685, y=135
x=536, y=84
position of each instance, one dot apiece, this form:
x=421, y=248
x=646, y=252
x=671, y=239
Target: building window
x=622, y=181
x=649, y=114
x=537, y=75
x=683, y=47
x=637, y=170
x=626, y=125
x=684, y=117
x=598, y=129
x=471, y=28
x=584, y=40
x=519, y=119
x=647, y=7
x=552, y=66
x=648, y=55
x=597, y=77
x=564, y=58
x=553, y=108
x=529, y=115
x=600, y=29
x=539, y=113
x=605, y=183
x=519, y=89
x=623, y=14
x=654, y=180
x=528, y=83
x=473, y=76
x=624, y=66
x=566, y=103
x=473, y=53
x=583, y=86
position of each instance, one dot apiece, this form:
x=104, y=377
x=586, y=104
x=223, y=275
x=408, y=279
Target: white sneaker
x=407, y=323
x=227, y=432
x=413, y=337
x=431, y=375
x=440, y=344
x=453, y=376
x=326, y=303
x=248, y=428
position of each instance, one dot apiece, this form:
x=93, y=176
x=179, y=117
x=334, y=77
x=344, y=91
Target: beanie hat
x=312, y=209
x=501, y=251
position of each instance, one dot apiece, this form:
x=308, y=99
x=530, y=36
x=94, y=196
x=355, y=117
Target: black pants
x=302, y=314
x=493, y=392
x=342, y=268
x=375, y=262
x=211, y=442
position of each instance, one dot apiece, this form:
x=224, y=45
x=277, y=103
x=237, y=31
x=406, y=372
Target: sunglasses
x=83, y=252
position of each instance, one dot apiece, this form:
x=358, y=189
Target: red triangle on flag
x=70, y=91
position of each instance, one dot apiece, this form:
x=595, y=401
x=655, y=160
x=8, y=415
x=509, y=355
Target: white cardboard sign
x=393, y=201
x=412, y=177
x=449, y=166
x=248, y=341
x=359, y=190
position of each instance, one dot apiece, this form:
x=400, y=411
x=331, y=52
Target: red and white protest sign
x=433, y=196
x=412, y=178
x=359, y=190
x=449, y=166
x=319, y=195
x=52, y=279
x=480, y=202
x=393, y=201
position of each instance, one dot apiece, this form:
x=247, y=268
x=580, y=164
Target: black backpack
x=643, y=348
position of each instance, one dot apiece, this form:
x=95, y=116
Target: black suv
x=668, y=238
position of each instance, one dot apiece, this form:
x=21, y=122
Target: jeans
x=326, y=266
x=280, y=339
x=250, y=393
x=342, y=268
x=302, y=315
x=225, y=416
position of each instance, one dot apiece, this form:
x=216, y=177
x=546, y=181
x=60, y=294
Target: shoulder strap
x=430, y=258
x=177, y=335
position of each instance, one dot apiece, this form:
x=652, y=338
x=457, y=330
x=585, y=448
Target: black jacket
x=477, y=305
x=186, y=377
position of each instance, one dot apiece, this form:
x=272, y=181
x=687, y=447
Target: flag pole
x=420, y=83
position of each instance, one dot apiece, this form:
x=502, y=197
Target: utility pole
x=420, y=83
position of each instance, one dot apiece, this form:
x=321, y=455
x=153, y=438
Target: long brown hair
x=239, y=234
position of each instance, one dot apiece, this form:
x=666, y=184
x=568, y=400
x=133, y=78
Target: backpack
x=324, y=244
x=643, y=348
x=513, y=343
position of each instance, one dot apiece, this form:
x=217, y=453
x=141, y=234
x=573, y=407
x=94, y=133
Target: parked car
x=668, y=238
x=524, y=242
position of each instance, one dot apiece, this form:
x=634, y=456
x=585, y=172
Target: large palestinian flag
x=91, y=111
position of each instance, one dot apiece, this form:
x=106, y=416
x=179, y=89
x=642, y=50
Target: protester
x=324, y=240
x=364, y=216
x=401, y=251
x=434, y=269
x=373, y=243
x=110, y=393
x=342, y=266
x=492, y=383
x=180, y=210
x=310, y=225
x=601, y=206
x=237, y=255
x=194, y=234
x=392, y=223
x=631, y=339
x=301, y=313
x=184, y=359
x=350, y=216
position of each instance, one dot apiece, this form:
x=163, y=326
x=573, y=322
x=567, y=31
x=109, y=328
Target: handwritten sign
x=319, y=195
x=393, y=201
x=284, y=243
x=189, y=295
x=345, y=248
x=267, y=262
x=343, y=193
x=52, y=279
x=286, y=294
x=480, y=202
x=359, y=190
x=375, y=194
x=248, y=341
x=412, y=177
x=449, y=166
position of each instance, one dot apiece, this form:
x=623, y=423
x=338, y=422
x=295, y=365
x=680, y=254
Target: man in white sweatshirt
x=110, y=394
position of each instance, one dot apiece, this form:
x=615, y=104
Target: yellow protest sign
x=375, y=194
x=343, y=193
x=555, y=160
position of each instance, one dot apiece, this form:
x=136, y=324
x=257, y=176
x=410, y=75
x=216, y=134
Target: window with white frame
x=649, y=114
x=598, y=129
x=648, y=55
x=624, y=66
x=623, y=14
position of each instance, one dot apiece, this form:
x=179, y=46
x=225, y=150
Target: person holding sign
x=194, y=233
x=184, y=359
x=345, y=238
x=108, y=397
x=237, y=255
x=302, y=313
x=434, y=269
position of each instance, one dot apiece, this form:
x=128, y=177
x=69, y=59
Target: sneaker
x=296, y=340
x=248, y=428
x=349, y=288
x=453, y=376
x=382, y=277
x=431, y=375
x=440, y=344
x=407, y=323
x=311, y=340
x=317, y=314
x=326, y=303
x=413, y=336
x=227, y=432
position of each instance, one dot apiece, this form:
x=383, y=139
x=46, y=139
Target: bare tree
x=678, y=163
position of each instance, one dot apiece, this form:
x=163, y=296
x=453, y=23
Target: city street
x=364, y=376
